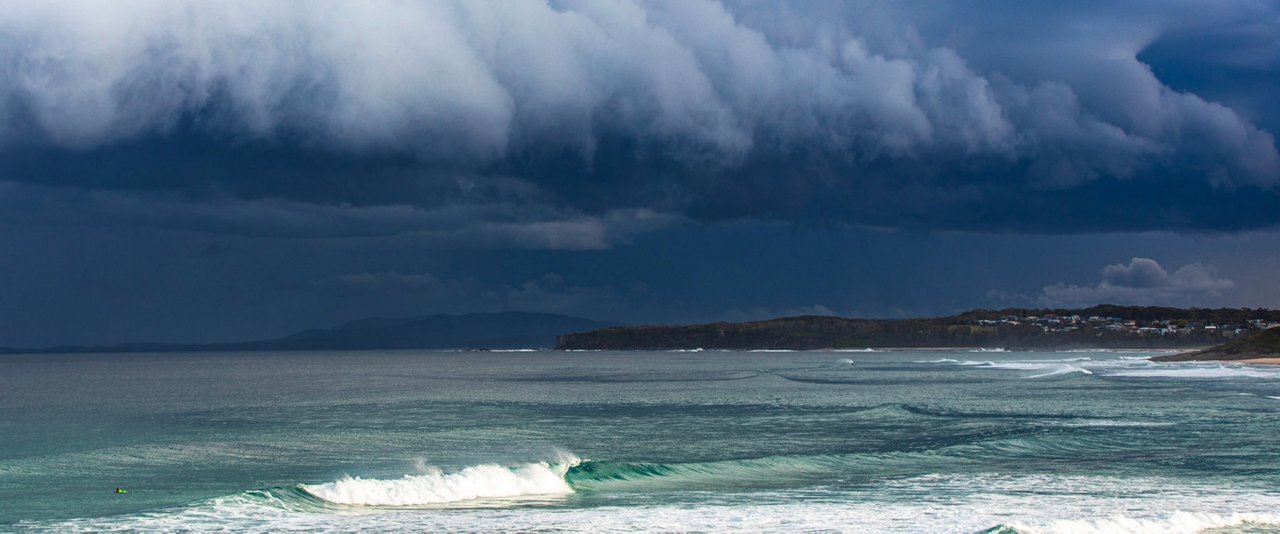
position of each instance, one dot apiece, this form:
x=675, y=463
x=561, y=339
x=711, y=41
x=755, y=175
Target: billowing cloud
x=1142, y=281
x=1033, y=117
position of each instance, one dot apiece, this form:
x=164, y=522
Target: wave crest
x=437, y=487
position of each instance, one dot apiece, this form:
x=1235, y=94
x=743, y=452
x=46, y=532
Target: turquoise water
x=597, y=441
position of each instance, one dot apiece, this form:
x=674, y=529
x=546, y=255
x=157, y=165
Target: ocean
x=896, y=441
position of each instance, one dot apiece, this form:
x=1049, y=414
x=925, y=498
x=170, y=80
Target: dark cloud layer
x=212, y=171
x=1036, y=116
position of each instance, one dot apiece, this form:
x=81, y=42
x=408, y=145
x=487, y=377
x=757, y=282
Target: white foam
x=1106, y=423
x=1121, y=368
x=436, y=487
x=1199, y=372
x=1050, y=367
x=1177, y=522
x=1063, y=370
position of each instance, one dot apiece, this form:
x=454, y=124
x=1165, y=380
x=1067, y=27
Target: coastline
x=1257, y=361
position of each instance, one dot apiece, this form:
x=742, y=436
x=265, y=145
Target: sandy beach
x=1266, y=361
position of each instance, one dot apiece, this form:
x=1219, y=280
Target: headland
x=1261, y=347
x=1106, y=326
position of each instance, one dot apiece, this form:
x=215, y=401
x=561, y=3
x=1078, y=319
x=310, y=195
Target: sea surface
x=921, y=441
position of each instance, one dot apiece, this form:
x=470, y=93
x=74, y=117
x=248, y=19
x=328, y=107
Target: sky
x=216, y=171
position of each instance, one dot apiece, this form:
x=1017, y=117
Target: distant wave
x=1244, y=394
x=1118, y=368
x=1049, y=367
x=1062, y=370
x=1200, y=372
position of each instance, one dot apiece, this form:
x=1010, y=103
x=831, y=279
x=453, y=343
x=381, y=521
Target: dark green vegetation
x=472, y=331
x=1261, y=344
x=1097, y=327
x=1142, y=314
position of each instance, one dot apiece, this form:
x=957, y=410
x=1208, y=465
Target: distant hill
x=1261, y=344
x=505, y=330
x=1108, y=326
x=800, y=333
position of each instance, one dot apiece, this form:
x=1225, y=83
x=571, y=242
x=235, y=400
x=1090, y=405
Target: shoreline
x=1258, y=361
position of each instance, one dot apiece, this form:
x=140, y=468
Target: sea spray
x=434, y=486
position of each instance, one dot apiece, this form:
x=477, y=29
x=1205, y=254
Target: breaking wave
x=473, y=485
x=562, y=477
x=1201, y=372
x=1062, y=370
x=1118, y=368
x=487, y=481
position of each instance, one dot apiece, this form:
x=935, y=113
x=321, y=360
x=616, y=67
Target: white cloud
x=1142, y=281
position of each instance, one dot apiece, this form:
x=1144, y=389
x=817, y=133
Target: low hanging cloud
x=409, y=294
x=467, y=225
x=761, y=313
x=1143, y=281
x=865, y=113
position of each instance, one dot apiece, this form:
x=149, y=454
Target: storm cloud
x=1028, y=118
x=219, y=171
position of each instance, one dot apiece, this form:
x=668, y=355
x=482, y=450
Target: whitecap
x=436, y=487
x=1063, y=370
x=1198, y=372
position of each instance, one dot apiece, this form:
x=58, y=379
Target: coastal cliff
x=1260, y=345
